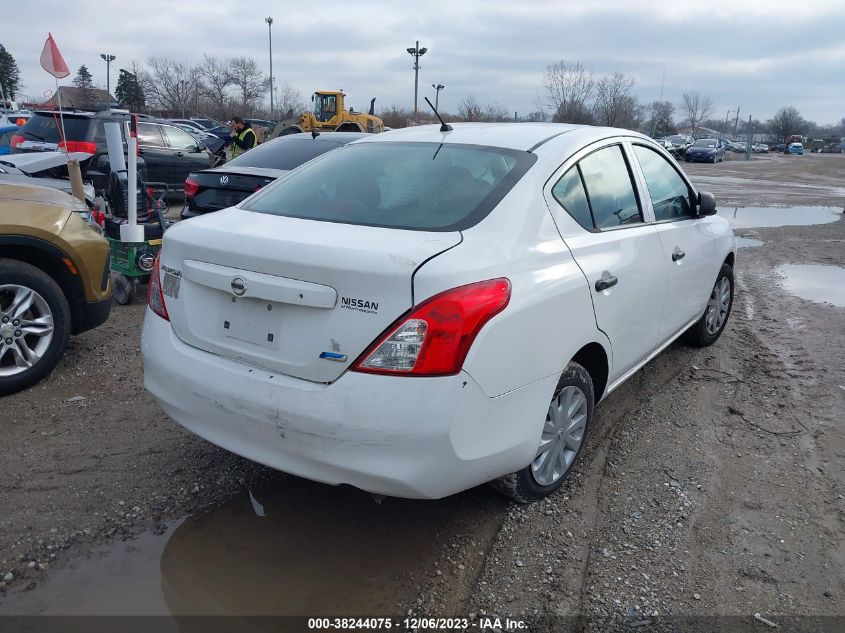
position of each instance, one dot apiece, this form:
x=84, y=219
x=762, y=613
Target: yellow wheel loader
x=329, y=114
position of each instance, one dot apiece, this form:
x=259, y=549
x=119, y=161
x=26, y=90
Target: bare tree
x=659, y=118
x=568, y=89
x=613, y=102
x=215, y=77
x=469, y=109
x=697, y=107
x=290, y=101
x=395, y=116
x=250, y=81
x=496, y=113
x=785, y=122
x=168, y=84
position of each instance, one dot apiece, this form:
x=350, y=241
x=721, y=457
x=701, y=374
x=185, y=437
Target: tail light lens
x=155, y=296
x=434, y=338
x=191, y=187
x=16, y=140
x=79, y=146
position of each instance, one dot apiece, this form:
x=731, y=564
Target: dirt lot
x=713, y=483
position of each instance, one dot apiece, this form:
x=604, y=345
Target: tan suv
x=54, y=281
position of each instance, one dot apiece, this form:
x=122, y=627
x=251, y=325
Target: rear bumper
x=397, y=436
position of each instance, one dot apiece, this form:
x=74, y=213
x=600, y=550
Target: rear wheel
x=34, y=325
x=709, y=327
x=124, y=289
x=567, y=423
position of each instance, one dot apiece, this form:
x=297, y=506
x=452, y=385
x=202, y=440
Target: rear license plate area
x=251, y=320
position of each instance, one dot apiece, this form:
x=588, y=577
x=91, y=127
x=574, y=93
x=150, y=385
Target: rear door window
x=416, y=186
x=609, y=188
x=149, y=134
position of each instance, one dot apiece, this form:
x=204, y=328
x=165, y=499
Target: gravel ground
x=712, y=482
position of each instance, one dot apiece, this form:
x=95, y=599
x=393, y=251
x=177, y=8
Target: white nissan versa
x=422, y=311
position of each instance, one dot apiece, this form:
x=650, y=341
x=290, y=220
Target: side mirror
x=706, y=203
x=197, y=148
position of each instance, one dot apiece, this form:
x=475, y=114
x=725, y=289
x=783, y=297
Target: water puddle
x=747, y=242
x=299, y=548
x=766, y=217
x=814, y=282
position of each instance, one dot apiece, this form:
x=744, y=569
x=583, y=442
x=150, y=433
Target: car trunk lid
x=299, y=297
x=228, y=186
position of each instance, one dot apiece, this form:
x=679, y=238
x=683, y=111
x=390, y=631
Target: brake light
x=434, y=338
x=191, y=187
x=79, y=146
x=155, y=296
x=16, y=140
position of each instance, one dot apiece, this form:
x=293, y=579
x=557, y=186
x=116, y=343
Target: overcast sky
x=755, y=54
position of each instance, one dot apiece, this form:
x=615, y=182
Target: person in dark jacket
x=243, y=136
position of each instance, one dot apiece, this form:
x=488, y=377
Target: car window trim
x=575, y=160
x=644, y=184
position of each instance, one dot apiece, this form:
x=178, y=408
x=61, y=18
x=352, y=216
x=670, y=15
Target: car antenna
x=314, y=134
x=444, y=127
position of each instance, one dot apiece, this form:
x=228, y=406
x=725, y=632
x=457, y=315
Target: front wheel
x=709, y=327
x=567, y=422
x=35, y=325
x=124, y=289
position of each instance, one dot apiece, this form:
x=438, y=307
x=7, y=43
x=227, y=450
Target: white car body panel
x=281, y=405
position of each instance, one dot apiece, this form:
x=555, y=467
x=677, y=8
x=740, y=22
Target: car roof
x=334, y=137
x=517, y=136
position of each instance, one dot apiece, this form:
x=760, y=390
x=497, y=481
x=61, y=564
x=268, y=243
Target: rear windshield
x=417, y=186
x=285, y=153
x=43, y=127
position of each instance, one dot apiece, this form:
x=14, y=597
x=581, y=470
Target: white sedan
x=421, y=312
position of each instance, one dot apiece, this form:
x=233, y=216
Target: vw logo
x=238, y=286
x=224, y=180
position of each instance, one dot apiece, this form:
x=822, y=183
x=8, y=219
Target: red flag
x=52, y=60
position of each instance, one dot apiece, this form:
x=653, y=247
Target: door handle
x=606, y=282
x=678, y=255
x=180, y=154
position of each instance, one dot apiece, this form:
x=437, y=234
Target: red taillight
x=434, y=338
x=191, y=187
x=79, y=146
x=155, y=296
x=16, y=140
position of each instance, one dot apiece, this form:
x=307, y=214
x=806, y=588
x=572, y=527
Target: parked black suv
x=165, y=153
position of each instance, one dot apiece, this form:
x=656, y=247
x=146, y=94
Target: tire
x=705, y=331
x=531, y=483
x=124, y=289
x=46, y=302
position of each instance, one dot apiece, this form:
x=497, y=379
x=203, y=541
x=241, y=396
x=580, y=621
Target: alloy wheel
x=26, y=329
x=563, y=434
x=718, y=306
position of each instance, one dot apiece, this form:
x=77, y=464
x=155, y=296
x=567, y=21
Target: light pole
x=416, y=53
x=183, y=94
x=108, y=59
x=438, y=88
x=269, y=22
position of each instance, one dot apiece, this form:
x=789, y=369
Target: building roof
x=81, y=98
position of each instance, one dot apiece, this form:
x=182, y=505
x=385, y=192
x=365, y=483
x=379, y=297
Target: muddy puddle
x=814, y=282
x=747, y=242
x=767, y=217
x=299, y=548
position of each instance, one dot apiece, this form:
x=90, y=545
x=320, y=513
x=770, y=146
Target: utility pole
x=750, y=140
x=736, y=121
x=108, y=59
x=437, y=88
x=727, y=114
x=269, y=22
x=416, y=53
